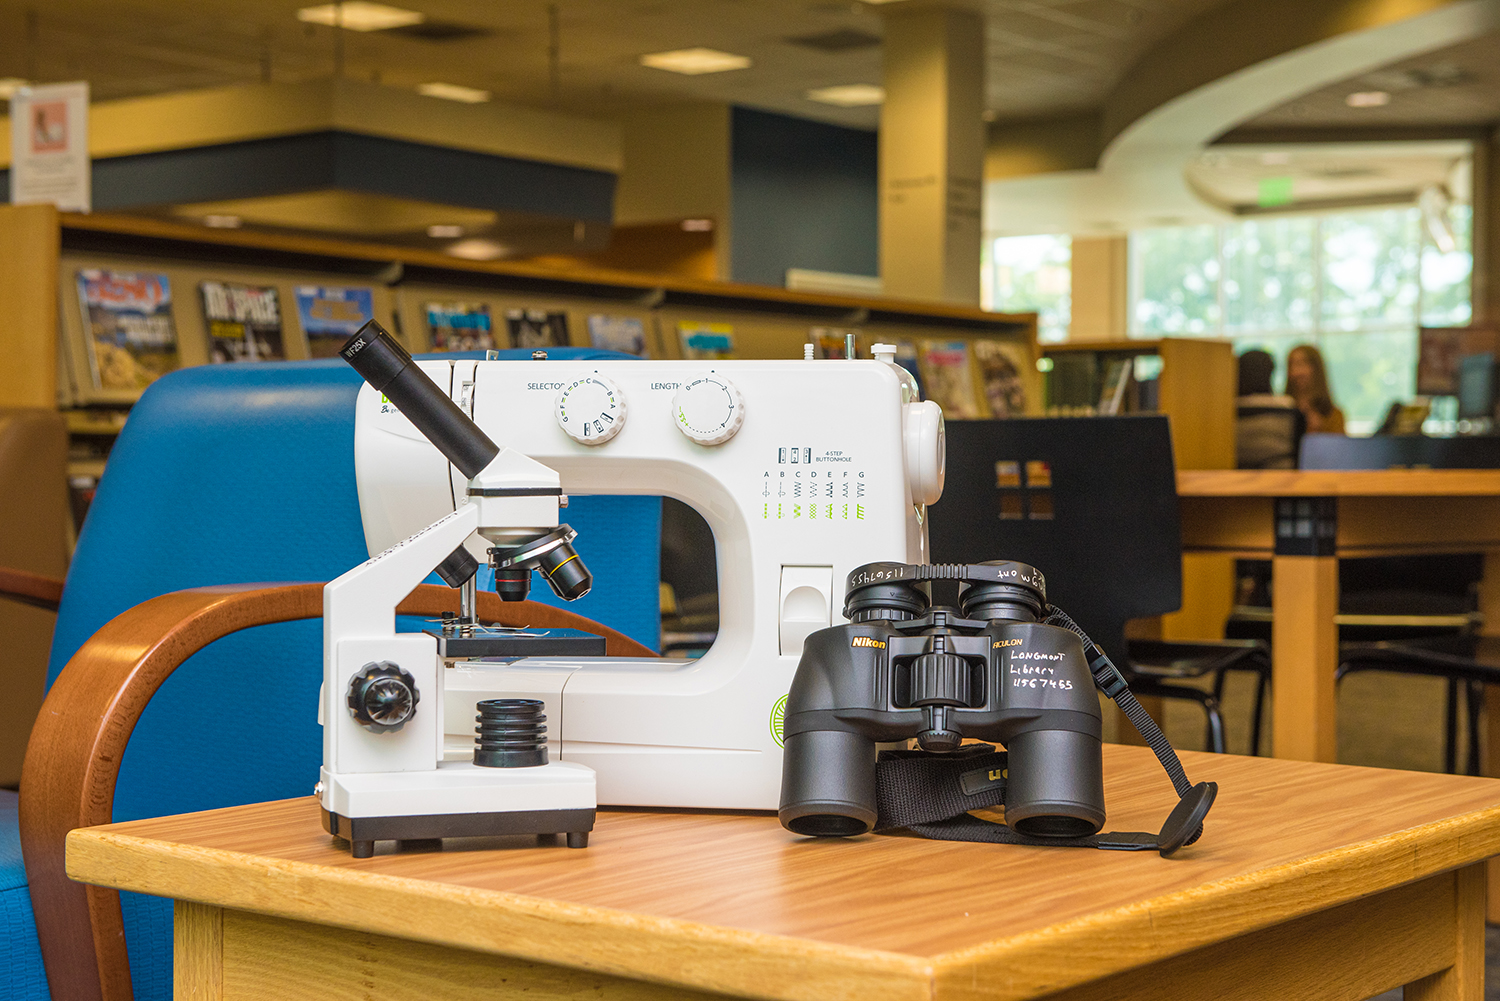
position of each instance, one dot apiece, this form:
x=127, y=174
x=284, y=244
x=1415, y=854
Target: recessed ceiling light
x=479, y=250
x=1368, y=99
x=697, y=225
x=223, y=221
x=358, y=15
x=9, y=85
x=1275, y=159
x=849, y=95
x=695, y=61
x=445, y=231
x=453, y=92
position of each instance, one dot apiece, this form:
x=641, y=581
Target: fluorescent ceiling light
x=1368, y=99
x=358, y=15
x=479, y=250
x=697, y=225
x=849, y=95
x=453, y=92
x=9, y=85
x=223, y=221
x=444, y=231
x=695, y=61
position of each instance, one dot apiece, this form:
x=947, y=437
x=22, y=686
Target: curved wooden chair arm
x=30, y=588
x=73, y=759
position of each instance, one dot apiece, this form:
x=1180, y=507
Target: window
x=1357, y=284
x=1022, y=274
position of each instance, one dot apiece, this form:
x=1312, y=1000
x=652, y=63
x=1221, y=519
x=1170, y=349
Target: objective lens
x=569, y=578
x=513, y=585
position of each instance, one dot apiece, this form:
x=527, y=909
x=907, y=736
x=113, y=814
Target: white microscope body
x=385, y=774
x=802, y=469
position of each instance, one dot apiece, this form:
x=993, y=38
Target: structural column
x=932, y=153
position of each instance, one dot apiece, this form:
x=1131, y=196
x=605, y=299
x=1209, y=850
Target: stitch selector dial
x=382, y=697
x=709, y=410
x=591, y=409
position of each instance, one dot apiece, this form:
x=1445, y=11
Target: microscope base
x=363, y=832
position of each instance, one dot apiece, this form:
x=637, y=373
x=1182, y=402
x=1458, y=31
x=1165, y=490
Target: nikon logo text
x=867, y=641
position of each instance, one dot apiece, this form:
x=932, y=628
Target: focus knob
x=708, y=410
x=591, y=410
x=382, y=697
x=940, y=679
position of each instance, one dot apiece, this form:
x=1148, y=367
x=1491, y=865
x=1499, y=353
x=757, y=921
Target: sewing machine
x=802, y=469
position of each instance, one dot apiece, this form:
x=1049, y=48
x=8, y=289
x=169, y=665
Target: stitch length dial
x=591, y=409
x=709, y=410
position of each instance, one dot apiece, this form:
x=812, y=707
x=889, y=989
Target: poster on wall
x=127, y=322
x=536, y=328
x=948, y=377
x=460, y=326
x=243, y=322
x=706, y=341
x=1003, y=374
x=49, y=142
x=330, y=316
x=618, y=333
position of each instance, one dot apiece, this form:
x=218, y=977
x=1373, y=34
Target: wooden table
x=1322, y=516
x=1350, y=879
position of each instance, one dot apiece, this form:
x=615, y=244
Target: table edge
x=1209, y=483
x=762, y=964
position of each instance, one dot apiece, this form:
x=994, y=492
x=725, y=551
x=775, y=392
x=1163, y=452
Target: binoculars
x=902, y=669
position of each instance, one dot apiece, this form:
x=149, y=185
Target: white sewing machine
x=802, y=469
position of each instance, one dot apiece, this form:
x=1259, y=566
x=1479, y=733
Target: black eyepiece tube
x=387, y=367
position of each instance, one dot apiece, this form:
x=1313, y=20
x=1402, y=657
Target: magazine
x=706, y=341
x=330, y=316
x=618, y=333
x=243, y=322
x=460, y=326
x=127, y=319
x=1003, y=373
x=948, y=376
x=537, y=328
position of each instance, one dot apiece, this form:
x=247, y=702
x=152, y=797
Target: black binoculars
x=902, y=669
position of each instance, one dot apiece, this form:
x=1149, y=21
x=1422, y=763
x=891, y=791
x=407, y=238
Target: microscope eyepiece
x=388, y=368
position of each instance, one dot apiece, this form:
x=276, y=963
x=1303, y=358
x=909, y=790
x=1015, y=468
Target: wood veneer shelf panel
x=763, y=912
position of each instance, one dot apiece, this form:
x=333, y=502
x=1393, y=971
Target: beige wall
x=675, y=165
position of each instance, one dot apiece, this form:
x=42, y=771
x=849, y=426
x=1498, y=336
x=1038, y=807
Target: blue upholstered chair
x=237, y=474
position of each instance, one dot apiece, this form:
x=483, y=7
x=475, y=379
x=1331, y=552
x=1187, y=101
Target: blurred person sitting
x=1307, y=384
x=1268, y=428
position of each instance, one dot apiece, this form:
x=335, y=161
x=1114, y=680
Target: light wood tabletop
x=1356, y=880
x=1338, y=483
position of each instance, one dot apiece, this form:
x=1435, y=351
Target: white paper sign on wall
x=49, y=142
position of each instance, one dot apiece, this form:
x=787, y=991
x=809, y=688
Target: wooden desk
x=1354, y=513
x=1354, y=880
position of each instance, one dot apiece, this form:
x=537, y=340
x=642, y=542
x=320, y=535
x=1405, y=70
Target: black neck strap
x=932, y=794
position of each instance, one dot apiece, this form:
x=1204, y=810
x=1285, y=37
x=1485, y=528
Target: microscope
x=385, y=774
x=803, y=470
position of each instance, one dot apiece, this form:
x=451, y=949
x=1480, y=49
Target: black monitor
x=1476, y=386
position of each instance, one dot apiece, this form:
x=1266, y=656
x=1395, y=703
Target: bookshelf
x=1191, y=381
x=48, y=360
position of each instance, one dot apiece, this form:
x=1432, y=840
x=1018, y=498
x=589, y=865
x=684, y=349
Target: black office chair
x=1092, y=503
x=1414, y=614
x=1267, y=436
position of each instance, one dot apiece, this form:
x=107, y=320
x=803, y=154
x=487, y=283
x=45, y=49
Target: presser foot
x=421, y=831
